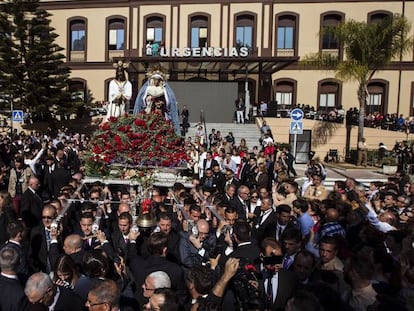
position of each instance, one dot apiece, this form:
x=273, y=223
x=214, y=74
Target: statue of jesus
x=120, y=91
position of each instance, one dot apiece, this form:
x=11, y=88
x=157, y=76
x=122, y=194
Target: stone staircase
x=248, y=131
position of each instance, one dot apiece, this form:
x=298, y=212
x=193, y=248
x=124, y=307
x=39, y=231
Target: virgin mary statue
x=156, y=96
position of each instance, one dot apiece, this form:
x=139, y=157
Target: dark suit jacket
x=259, y=230
x=60, y=178
x=240, y=208
x=31, y=207
x=68, y=301
x=38, y=253
x=270, y=230
x=250, y=252
x=23, y=269
x=12, y=297
x=287, y=284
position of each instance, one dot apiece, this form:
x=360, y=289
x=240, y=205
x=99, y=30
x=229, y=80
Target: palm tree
x=368, y=48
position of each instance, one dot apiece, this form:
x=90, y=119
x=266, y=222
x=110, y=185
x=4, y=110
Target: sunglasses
x=47, y=217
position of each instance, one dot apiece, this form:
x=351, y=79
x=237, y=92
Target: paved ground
x=342, y=170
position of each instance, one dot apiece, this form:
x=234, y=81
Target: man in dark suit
x=60, y=178
x=47, y=188
x=90, y=241
x=218, y=179
x=265, y=220
x=120, y=238
x=284, y=221
x=241, y=201
x=41, y=290
x=40, y=240
x=230, y=179
x=12, y=297
x=157, y=261
x=245, y=248
x=17, y=233
x=277, y=285
x=208, y=162
x=31, y=204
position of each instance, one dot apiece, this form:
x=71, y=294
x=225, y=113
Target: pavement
x=340, y=171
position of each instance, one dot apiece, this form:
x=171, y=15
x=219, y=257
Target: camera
x=272, y=260
x=247, y=295
x=192, y=228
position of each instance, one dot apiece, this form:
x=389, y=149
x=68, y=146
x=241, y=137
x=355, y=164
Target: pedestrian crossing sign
x=296, y=128
x=17, y=116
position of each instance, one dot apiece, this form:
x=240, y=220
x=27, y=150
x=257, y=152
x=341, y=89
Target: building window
x=245, y=31
x=155, y=29
x=378, y=16
x=77, y=43
x=285, y=95
x=376, y=102
x=116, y=40
x=199, y=31
x=77, y=88
x=77, y=35
x=286, y=35
x=329, y=42
x=329, y=95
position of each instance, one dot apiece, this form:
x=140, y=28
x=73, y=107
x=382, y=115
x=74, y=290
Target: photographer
x=285, y=194
x=204, y=295
x=196, y=245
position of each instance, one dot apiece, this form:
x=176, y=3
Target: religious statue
x=156, y=96
x=120, y=91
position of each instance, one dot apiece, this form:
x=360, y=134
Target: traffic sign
x=296, y=128
x=17, y=116
x=296, y=114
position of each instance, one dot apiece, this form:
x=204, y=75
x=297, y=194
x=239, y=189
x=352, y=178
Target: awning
x=211, y=65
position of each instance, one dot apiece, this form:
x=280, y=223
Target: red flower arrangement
x=142, y=141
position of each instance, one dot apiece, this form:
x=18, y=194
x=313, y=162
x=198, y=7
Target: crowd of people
x=245, y=236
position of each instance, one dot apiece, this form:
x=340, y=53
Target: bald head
x=34, y=183
x=332, y=215
x=203, y=229
x=72, y=244
x=123, y=208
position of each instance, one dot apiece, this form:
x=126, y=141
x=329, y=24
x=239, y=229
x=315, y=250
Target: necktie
x=48, y=238
x=126, y=240
x=279, y=233
x=286, y=262
x=269, y=290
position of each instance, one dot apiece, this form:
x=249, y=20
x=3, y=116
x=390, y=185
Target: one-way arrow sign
x=296, y=114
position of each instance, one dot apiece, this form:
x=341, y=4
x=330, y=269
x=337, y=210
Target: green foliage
x=368, y=47
x=31, y=63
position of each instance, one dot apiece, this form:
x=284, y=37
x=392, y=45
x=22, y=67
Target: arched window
x=116, y=34
x=329, y=95
x=77, y=35
x=199, y=25
x=155, y=29
x=377, y=98
x=77, y=39
x=378, y=16
x=286, y=34
x=77, y=89
x=285, y=94
x=245, y=31
x=329, y=42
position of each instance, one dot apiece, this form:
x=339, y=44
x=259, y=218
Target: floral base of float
x=142, y=149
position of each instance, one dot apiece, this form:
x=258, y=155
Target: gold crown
x=157, y=71
x=120, y=65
